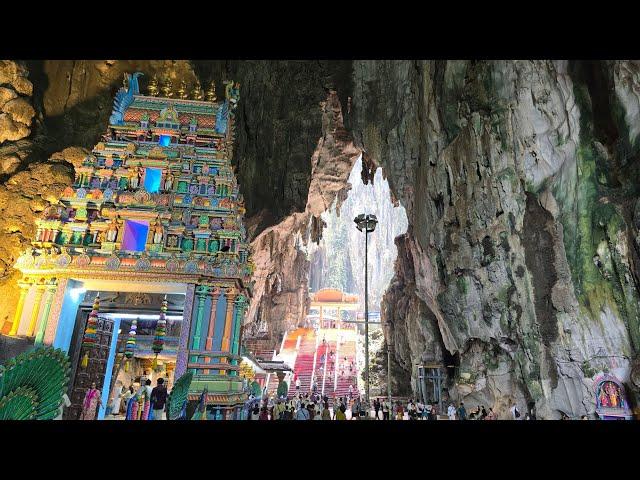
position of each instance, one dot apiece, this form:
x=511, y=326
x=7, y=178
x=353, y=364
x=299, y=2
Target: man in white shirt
x=66, y=403
x=451, y=412
x=420, y=409
x=385, y=409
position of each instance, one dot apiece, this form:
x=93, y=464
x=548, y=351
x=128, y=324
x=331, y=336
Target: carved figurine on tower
x=158, y=232
x=112, y=231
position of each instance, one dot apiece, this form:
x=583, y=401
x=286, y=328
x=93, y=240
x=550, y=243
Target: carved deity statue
x=167, y=87
x=112, y=231
x=168, y=180
x=197, y=93
x=211, y=92
x=135, y=180
x=153, y=87
x=158, y=232
x=182, y=90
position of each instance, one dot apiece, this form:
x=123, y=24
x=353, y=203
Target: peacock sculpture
x=177, y=402
x=32, y=384
x=124, y=98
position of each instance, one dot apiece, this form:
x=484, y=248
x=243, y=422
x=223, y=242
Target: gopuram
x=154, y=210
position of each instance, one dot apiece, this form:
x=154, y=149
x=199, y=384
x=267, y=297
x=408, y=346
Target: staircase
x=348, y=350
x=304, y=362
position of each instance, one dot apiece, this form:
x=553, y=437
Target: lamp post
x=367, y=223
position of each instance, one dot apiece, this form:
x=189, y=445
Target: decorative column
x=36, y=310
x=241, y=305
x=51, y=291
x=201, y=294
x=215, y=295
x=55, y=312
x=226, y=336
x=185, y=332
x=24, y=288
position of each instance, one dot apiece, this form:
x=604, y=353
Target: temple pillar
x=48, y=299
x=226, y=335
x=215, y=295
x=185, y=331
x=36, y=310
x=201, y=294
x=24, y=288
x=54, y=314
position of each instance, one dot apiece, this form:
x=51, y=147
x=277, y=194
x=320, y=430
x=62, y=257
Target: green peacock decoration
x=176, y=403
x=32, y=384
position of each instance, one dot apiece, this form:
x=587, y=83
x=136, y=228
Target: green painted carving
x=182, y=187
x=187, y=244
x=177, y=402
x=32, y=385
x=201, y=245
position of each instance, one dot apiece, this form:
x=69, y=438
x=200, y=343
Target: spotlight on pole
x=366, y=223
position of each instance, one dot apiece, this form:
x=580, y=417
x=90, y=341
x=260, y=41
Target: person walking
x=411, y=410
x=159, y=399
x=484, y=414
x=515, y=413
x=491, y=415
x=66, y=403
x=264, y=414
x=399, y=411
x=376, y=407
x=302, y=413
x=462, y=412
x=355, y=409
x=451, y=412
x=326, y=413
x=91, y=403
x=255, y=413
x=386, y=406
x=340, y=414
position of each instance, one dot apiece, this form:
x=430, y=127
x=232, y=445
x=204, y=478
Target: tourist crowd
x=313, y=406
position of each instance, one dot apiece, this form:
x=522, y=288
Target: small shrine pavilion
x=156, y=209
x=329, y=303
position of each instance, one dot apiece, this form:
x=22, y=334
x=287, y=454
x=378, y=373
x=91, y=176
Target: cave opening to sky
x=338, y=260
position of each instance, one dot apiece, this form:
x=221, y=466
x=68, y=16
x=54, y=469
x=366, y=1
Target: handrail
x=313, y=369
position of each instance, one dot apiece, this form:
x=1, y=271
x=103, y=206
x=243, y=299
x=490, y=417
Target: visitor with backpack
x=462, y=412
x=302, y=413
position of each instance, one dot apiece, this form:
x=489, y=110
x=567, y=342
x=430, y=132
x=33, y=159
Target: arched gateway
x=154, y=211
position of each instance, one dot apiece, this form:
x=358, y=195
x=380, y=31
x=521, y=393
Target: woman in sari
x=91, y=403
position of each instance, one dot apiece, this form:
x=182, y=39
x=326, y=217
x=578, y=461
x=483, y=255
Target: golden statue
x=152, y=89
x=196, y=93
x=182, y=91
x=211, y=92
x=167, y=87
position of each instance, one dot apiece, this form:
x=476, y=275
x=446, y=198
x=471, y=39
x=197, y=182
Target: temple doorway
x=112, y=365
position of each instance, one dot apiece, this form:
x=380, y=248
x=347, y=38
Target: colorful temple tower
x=154, y=208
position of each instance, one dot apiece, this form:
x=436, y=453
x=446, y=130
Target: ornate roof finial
x=211, y=92
x=152, y=89
x=196, y=93
x=167, y=87
x=182, y=91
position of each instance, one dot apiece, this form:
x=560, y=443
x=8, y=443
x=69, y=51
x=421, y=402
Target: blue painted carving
x=222, y=117
x=124, y=98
